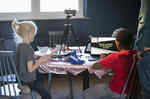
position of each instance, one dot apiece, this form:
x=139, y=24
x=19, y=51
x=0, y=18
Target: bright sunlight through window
x=15, y=6
x=38, y=9
x=58, y=5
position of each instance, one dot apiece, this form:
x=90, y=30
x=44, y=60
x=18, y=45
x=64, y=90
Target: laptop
x=105, y=45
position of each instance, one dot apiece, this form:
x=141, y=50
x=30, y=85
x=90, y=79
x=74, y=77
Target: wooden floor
x=60, y=86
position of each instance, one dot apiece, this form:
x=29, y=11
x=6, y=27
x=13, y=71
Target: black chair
x=7, y=41
x=55, y=38
x=132, y=83
x=10, y=84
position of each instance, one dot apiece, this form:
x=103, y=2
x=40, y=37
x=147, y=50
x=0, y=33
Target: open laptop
x=101, y=45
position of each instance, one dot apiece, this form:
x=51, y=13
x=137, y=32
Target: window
x=58, y=5
x=38, y=9
x=11, y=6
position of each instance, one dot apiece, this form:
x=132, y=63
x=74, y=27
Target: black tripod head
x=70, y=13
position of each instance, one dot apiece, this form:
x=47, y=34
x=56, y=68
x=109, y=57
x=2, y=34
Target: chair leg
x=33, y=95
x=50, y=82
x=85, y=80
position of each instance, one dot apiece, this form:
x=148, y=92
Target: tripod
x=68, y=29
x=65, y=43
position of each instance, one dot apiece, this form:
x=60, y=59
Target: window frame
x=35, y=13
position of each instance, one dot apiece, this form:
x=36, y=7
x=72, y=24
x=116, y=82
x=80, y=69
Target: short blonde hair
x=24, y=27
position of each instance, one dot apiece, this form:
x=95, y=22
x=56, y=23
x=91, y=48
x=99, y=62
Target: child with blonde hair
x=26, y=65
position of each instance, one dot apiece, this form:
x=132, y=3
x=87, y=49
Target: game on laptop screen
x=101, y=45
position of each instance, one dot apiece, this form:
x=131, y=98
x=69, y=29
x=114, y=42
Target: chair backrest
x=9, y=79
x=10, y=84
x=55, y=38
x=132, y=82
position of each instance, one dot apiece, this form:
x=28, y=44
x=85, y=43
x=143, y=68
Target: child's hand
x=36, y=57
x=44, y=59
x=103, y=55
x=141, y=53
x=54, y=52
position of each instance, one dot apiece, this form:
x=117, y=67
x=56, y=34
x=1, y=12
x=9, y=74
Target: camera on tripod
x=70, y=12
x=68, y=34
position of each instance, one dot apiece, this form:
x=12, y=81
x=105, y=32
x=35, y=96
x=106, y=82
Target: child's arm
x=96, y=66
x=36, y=57
x=32, y=66
x=43, y=59
x=141, y=53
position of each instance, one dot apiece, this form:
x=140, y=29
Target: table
x=61, y=67
x=69, y=70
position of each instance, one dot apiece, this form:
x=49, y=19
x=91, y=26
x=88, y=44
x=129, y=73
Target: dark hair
x=124, y=37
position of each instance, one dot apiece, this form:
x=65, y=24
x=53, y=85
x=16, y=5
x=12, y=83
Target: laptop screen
x=101, y=45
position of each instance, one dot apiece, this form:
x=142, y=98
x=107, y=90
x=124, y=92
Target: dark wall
x=104, y=17
x=79, y=27
x=107, y=15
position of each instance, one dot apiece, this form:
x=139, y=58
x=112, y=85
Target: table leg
x=70, y=84
x=50, y=82
x=85, y=80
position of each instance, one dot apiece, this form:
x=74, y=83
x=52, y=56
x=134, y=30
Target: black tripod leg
x=65, y=35
x=75, y=37
x=63, y=39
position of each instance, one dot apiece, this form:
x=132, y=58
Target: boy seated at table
x=26, y=65
x=119, y=62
